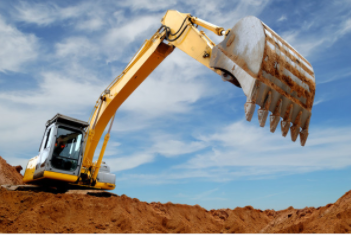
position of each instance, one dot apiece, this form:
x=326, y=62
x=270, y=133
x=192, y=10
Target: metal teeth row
x=274, y=118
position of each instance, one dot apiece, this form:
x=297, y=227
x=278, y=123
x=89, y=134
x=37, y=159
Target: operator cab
x=60, y=152
x=66, y=141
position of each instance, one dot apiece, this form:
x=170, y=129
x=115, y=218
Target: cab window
x=67, y=148
x=48, y=138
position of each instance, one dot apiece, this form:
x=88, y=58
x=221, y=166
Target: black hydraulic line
x=168, y=30
x=179, y=27
x=172, y=40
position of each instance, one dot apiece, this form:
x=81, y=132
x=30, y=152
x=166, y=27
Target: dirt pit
x=31, y=212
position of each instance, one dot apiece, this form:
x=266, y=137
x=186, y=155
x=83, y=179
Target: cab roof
x=67, y=120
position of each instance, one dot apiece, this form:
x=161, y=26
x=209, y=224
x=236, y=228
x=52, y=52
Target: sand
x=9, y=174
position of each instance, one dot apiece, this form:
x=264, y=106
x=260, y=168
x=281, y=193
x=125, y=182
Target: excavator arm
x=180, y=31
x=252, y=56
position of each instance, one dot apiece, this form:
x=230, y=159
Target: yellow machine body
x=60, y=179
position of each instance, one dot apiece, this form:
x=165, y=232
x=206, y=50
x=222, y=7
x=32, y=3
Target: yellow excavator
x=271, y=73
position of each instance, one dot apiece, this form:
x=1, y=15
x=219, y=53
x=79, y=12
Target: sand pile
x=9, y=174
x=30, y=212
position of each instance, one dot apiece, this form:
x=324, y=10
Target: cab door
x=45, y=152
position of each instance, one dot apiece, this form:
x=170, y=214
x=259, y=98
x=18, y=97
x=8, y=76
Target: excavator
x=251, y=56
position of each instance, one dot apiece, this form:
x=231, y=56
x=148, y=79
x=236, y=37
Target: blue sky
x=182, y=135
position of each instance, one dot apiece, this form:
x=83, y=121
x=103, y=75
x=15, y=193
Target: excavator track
x=49, y=189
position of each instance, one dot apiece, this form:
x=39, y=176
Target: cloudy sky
x=181, y=136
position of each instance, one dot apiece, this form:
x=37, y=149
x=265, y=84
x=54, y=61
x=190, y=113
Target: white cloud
x=213, y=11
x=326, y=31
x=342, y=74
x=112, y=150
x=58, y=92
x=316, y=102
x=119, y=39
x=166, y=177
x=345, y=28
x=175, y=148
x=129, y=162
x=166, y=145
x=238, y=134
x=205, y=194
x=149, y=5
x=282, y=18
x=303, y=45
x=44, y=14
x=92, y=24
x=17, y=48
x=41, y=14
x=128, y=32
x=152, y=143
x=131, y=123
x=160, y=97
x=77, y=47
x=244, y=145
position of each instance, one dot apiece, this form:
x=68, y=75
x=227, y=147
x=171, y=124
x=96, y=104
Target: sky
x=182, y=136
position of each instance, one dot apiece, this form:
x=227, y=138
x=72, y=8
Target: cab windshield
x=68, y=142
x=67, y=148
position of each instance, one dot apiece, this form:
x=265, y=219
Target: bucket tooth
x=249, y=110
x=250, y=104
x=275, y=117
x=274, y=121
x=285, y=123
x=303, y=137
x=295, y=129
x=263, y=111
x=304, y=133
x=262, y=116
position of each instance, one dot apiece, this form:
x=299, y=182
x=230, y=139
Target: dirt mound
x=24, y=212
x=32, y=212
x=9, y=174
x=332, y=218
x=29, y=212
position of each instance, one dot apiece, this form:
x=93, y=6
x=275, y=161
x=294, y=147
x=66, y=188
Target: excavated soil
x=9, y=174
x=32, y=212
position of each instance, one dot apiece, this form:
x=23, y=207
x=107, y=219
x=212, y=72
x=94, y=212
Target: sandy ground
x=9, y=174
x=31, y=212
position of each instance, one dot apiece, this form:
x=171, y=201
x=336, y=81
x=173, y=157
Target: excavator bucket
x=272, y=75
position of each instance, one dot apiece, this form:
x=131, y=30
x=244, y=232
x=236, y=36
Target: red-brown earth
x=42, y=212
